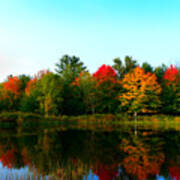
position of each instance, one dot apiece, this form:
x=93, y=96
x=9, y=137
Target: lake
x=95, y=152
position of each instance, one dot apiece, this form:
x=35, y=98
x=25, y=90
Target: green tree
x=124, y=68
x=50, y=99
x=86, y=88
x=68, y=69
x=24, y=79
x=30, y=103
x=147, y=67
x=159, y=71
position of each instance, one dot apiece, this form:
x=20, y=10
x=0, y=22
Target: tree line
x=125, y=86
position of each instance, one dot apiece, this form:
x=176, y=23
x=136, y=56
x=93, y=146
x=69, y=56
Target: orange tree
x=10, y=93
x=141, y=92
x=12, y=85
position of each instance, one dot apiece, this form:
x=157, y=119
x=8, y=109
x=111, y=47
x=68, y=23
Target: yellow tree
x=141, y=92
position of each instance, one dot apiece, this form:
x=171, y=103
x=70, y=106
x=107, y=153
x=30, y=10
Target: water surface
x=96, y=152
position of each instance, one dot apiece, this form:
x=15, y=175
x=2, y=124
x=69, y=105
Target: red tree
x=105, y=73
x=107, y=89
x=13, y=85
x=171, y=74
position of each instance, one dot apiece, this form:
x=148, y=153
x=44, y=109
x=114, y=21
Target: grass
x=28, y=120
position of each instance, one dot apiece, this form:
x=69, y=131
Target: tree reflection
x=8, y=158
x=70, y=154
x=140, y=160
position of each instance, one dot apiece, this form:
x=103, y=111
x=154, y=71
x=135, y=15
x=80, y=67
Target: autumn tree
x=30, y=86
x=141, y=92
x=171, y=75
x=171, y=90
x=13, y=85
x=10, y=93
x=30, y=102
x=107, y=89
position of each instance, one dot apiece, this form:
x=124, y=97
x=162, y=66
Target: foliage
x=12, y=85
x=159, y=71
x=69, y=67
x=30, y=103
x=30, y=100
x=122, y=69
x=171, y=90
x=86, y=85
x=147, y=67
x=31, y=84
x=107, y=89
x=10, y=94
x=24, y=79
x=50, y=99
x=171, y=75
x=105, y=73
x=141, y=91
x=72, y=90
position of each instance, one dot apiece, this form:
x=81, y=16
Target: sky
x=35, y=34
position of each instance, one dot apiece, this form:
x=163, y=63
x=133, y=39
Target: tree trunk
x=135, y=126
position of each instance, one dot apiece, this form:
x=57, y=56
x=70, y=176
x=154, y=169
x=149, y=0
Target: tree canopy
x=73, y=90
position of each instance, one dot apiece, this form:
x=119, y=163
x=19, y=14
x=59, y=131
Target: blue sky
x=34, y=34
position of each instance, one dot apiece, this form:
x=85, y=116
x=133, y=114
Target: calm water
x=96, y=153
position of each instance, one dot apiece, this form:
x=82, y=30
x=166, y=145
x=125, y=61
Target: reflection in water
x=7, y=173
x=66, y=154
x=91, y=176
